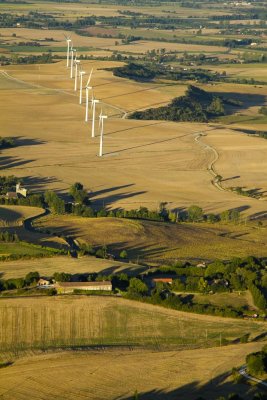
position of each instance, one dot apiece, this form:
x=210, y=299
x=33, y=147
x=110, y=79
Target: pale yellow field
x=48, y=266
x=15, y=215
x=25, y=34
x=145, y=162
x=246, y=154
x=118, y=374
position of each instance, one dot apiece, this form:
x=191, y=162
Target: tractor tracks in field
x=211, y=165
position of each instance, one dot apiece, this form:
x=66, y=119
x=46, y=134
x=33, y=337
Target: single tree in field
x=195, y=213
x=78, y=193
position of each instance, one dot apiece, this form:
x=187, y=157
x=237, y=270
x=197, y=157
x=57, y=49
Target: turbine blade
x=90, y=76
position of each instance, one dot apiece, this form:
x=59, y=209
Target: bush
x=123, y=254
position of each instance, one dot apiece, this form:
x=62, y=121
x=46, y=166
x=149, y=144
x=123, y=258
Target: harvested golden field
x=15, y=215
x=58, y=149
x=142, y=46
x=90, y=320
x=118, y=374
x=256, y=71
x=23, y=34
x=246, y=153
x=159, y=241
x=48, y=266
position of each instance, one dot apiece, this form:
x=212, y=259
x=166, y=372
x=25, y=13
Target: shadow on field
x=259, y=215
x=24, y=142
x=12, y=162
x=110, y=197
x=247, y=100
x=212, y=390
x=37, y=183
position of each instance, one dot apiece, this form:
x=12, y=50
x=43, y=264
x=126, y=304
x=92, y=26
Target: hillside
x=196, y=105
x=85, y=321
x=159, y=241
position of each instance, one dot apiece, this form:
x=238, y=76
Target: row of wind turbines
x=77, y=73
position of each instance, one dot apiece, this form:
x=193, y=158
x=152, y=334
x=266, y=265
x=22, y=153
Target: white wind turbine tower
x=81, y=73
x=94, y=102
x=87, y=88
x=77, y=63
x=68, y=40
x=72, y=51
x=101, y=125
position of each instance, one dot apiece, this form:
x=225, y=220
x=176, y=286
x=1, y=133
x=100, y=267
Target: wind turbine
x=87, y=88
x=72, y=51
x=101, y=125
x=68, y=40
x=81, y=73
x=77, y=63
x=94, y=102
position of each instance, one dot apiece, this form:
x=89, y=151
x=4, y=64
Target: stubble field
x=59, y=151
x=68, y=321
x=157, y=371
x=159, y=242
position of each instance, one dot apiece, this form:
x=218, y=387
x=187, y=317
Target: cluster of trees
x=7, y=183
x=30, y=279
x=257, y=362
x=6, y=236
x=163, y=296
x=6, y=143
x=149, y=71
x=45, y=58
x=258, y=296
x=196, y=105
x=235, y=275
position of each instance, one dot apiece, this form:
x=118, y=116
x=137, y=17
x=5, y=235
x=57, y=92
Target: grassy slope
x=69, y=321
x=155, y=241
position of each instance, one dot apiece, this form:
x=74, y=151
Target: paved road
x=244, y=373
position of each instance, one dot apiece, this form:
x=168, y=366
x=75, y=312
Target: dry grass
x=11, y=216
x=117, y=374
x=177, y=165
x=48, y=266
x=156, y=241
x=240, y=299
x=83, y=321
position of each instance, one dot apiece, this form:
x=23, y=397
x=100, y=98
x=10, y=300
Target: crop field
x=239, y=299
x=15, y=215
x=178, y=164
x=160, y=241
x=119, y=374
x=84, y=321
x=48, y=266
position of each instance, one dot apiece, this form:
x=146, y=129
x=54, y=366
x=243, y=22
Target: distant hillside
x=196, y=105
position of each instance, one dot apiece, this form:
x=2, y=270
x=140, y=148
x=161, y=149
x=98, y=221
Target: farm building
x=43, y=282
x=69, y=287
x=162, y=280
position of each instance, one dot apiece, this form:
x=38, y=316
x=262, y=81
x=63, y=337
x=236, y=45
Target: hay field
x=142, y=46
x=118, y=374
x=246, y=153
x=58, y=156
x=48, y=266
x=156, y=242
x=15, y=215
x=26, y=34
x=83, y=321
x=256, y=71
